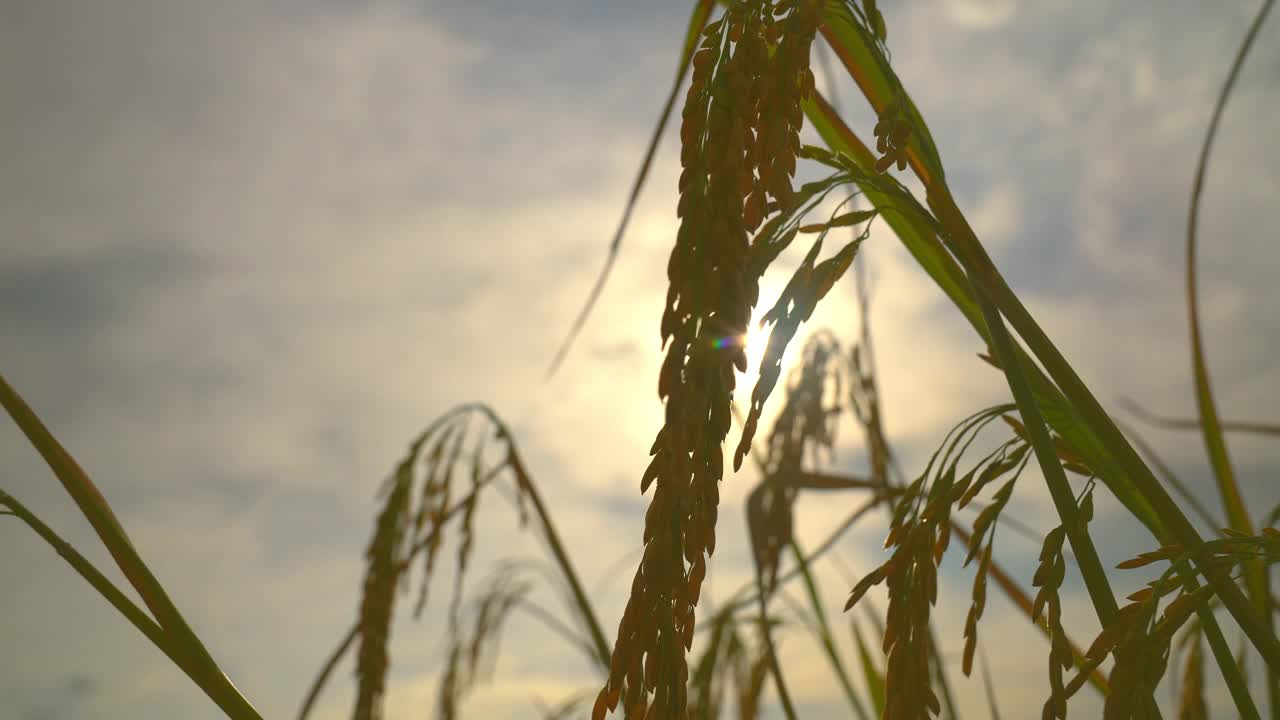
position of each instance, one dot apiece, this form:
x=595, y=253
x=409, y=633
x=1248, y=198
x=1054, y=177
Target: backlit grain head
x=739, y=136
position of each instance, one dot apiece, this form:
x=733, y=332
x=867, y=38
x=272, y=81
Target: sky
x=251, y=249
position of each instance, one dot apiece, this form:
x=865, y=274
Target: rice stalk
x=353, y=633
x=804, y=427
x=911, y=579
x=1024, y=602
x=739, y=139
x=1125, y=475
x=804, y=421
x=1129, y=464
x=1149, y=488
x=378, y=597
x=917, y=229
x=404, y=534
x=1141, y=645
x=1112, y=459
x=1048, y=577
x=924, y=511
x=1136, y=481
x=468, y=650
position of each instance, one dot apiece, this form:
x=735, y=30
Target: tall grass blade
x=326, y=671
x=1167, y=475
x=707, y=681
x=940, y=676
x=581, y=603
x=825, y=637
x=237, y=709
x=1209, y=422
x=1256, y=575
x=871, y=673
x=1095, y=577
x=992, y=706
x=1191, y=702
x=1235, y=670
x=98, y=512
x=701, y=12
x=751, y=686
x=769, y=651
x=1227, y=426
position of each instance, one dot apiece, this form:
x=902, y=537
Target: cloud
x=980, y=14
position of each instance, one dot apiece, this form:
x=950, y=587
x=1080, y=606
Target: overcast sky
x=251, y=249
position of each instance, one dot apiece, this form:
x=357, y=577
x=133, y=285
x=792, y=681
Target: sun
x=756, y=339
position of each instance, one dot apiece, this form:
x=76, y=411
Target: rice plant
x=751, y=89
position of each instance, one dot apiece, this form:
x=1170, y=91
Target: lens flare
x=729, y=341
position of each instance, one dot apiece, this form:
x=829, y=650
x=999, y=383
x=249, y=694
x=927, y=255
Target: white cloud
x=980, y=14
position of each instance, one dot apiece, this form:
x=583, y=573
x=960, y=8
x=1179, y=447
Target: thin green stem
x=235, y=706
x=823, y=630
x=1095, y=577
x=940, y=670
x=1170, y=479
x=1247, y=427
x=1236, y=683
x=766, y=638
x=584, y=607
x=94, y=506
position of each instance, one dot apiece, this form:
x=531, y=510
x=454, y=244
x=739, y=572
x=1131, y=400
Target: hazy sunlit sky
x=250, y=249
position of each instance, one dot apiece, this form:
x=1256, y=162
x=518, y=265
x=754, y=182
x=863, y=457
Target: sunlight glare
x=757, y=338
